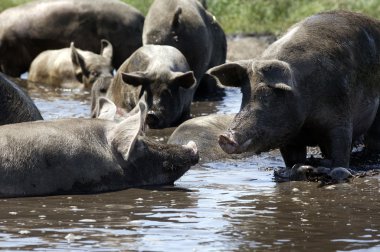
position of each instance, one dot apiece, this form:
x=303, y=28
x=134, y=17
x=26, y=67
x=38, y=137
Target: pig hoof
x=301, y=172
x=340, y=174
x=227, y=144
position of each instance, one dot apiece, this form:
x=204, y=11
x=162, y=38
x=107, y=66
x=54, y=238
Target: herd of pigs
x=318, y=85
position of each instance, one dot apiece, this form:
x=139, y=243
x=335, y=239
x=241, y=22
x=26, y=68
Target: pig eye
x=166, y=93
x=263, y=95
x=94, y=73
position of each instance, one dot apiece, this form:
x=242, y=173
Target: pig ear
x=231, y=74
x=126, y=133
x=106, y=50
x=176, y=18
x=134, y=78
x=185, y=80
x=106, y=109
x=277, y=74
x=79, y=63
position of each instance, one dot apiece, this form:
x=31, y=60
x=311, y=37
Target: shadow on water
x=230, y=205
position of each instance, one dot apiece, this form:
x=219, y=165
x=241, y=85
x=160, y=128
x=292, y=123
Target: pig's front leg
x=293, y=154
x=337, y=146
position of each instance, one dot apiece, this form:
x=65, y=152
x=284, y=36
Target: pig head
x=269, y=115
x=189, y=27
x=163, y=73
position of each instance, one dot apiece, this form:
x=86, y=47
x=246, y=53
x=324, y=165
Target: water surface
x=230, y=205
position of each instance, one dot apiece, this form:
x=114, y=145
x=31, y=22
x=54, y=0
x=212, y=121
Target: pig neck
x=140, y=168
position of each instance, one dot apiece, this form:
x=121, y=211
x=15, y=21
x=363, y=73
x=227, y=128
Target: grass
x=265, y=16
x=261, y=16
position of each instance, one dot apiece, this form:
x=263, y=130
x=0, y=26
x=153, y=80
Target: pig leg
x=293, y=154
x=338, y=146
x=326, y=161
x=372, y=139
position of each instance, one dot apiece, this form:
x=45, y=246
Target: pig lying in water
x=72, y=67
x=204, y=131
x=317, y=85
x=86, y=156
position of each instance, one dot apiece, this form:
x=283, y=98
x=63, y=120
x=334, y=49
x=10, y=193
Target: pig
x=72, y=67
x=99, y=89
x=318, y=85
x=205, y=131
x=189, y=27
x=15, y=105
x=161, y=71
x=50, y=24
x=78, y=156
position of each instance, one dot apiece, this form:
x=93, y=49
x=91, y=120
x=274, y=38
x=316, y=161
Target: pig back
x=53, y=24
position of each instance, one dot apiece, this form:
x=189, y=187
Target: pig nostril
x=223, y=139
x=228, y=144
x=152, y=119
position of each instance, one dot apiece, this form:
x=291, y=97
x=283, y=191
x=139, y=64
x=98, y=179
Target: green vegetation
x=9, y=3
x=142, y=5
x=261, y=16
x=266, y=16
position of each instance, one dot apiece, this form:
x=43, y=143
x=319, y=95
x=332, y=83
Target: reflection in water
x=231, y=205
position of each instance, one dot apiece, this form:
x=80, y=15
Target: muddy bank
x=246, y=46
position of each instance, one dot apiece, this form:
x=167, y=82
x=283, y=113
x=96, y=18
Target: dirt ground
x=247, y=46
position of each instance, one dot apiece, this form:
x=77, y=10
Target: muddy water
x=231, y=205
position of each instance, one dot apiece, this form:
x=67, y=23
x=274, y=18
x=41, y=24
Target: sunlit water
x=230, y=205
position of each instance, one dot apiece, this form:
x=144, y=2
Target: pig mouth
x=231, y=146
x=156, y=120
x=192, y=159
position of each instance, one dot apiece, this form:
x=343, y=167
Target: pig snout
x=193, y=151
x=192, y=146
x=228, y=143
x=152, y=119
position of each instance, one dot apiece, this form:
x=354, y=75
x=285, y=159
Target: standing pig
x=162, y=72
x=31, y=28
x=73, y=156
x=71, y=67
x=187, y=26
x=15, y=105
x=317, y=85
